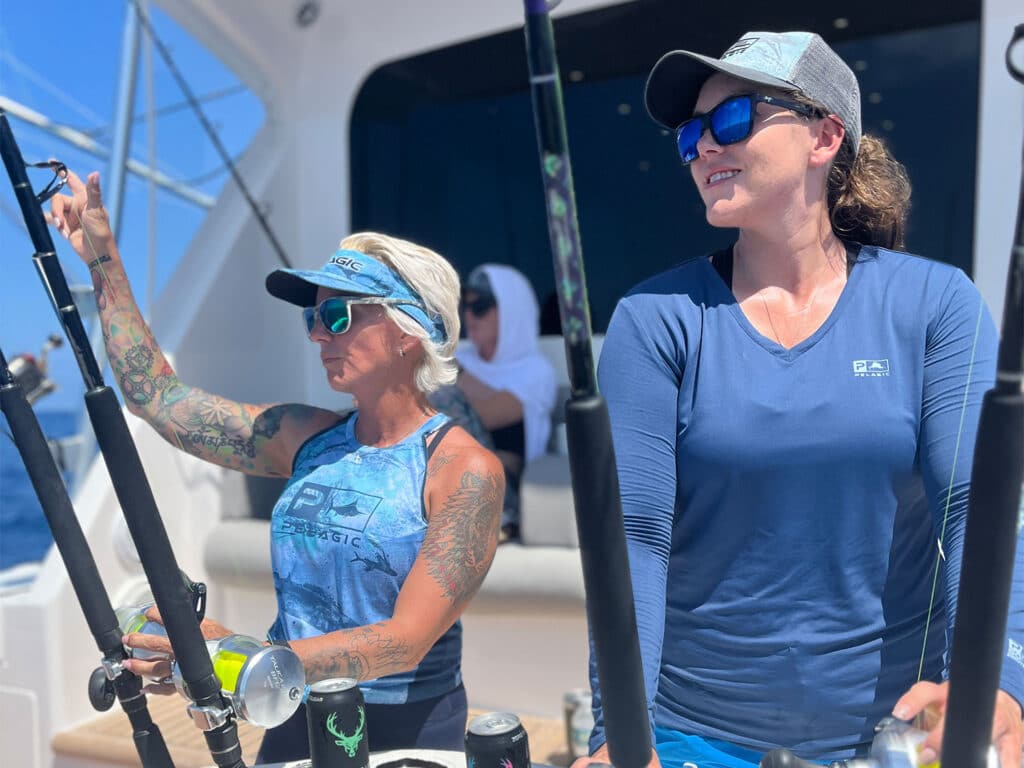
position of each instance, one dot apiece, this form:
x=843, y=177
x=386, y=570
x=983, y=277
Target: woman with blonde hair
x=390, y=518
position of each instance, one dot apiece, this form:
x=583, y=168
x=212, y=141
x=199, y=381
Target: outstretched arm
x=258, y=439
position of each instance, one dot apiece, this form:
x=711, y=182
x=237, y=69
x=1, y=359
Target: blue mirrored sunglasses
x=730, y=122
x=335, y=312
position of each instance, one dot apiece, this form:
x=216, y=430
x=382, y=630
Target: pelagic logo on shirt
x=320, y=504
x=870, y=368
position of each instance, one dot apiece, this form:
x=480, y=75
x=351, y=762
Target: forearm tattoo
x=214, y=428
x=99, y=261
x=363, y=653
x=459, y=543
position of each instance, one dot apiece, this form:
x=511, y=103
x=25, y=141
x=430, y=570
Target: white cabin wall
x=1000, y=131
x=228, y=335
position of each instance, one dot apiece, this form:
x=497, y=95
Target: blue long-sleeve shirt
x=782, y=507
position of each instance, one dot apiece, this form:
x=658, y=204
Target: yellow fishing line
x=940, y=556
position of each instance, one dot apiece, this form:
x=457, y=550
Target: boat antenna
x=595, y=484
x=111, y=678
x=176, y=602
x=193, y=102
x=997, y=476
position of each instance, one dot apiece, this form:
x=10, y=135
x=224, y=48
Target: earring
x=401, y=351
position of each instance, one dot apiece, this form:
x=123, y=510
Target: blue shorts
x=680, y=750
x=438, y=723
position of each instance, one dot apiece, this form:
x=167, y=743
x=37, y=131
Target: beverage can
x=497, y=740
x=570, y=702
x=132, y=619
x=582, y=724
x=336, y=718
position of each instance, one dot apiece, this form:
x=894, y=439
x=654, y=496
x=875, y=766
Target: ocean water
x=24, y=535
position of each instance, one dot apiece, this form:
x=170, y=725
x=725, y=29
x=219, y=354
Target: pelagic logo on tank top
x=328, y=513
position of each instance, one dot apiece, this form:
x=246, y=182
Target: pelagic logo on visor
x=347, y=262
x=740, y=46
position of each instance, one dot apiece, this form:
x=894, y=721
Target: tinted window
x=459, y=171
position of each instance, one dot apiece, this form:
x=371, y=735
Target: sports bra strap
x=439, y=434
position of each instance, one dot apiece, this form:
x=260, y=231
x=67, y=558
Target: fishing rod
x=990, y=542
x=993, y=507
x=595, y=483
x=174, y=599
x=111, y=678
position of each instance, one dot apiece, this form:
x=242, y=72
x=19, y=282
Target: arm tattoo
x=98, y=262
x=438, y=461
x=458, y=543
x=363, y=653
x=213, y=428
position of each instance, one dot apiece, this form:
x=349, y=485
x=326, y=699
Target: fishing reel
x=30, y=372
x=133, y=619
x=896, y=745
x=263, y=684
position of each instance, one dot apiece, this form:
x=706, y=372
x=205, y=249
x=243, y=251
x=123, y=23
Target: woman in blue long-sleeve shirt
x=794, y=419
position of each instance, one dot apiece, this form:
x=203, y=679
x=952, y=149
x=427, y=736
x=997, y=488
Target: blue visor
x=352, y=273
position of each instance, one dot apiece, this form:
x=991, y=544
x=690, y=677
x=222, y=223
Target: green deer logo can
x=336, y=716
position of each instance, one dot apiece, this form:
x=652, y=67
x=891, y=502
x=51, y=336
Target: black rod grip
x=165, y=578
x=985, y=580
x=60, y=516
x=80, y=565
x=606, y=579
x=151, y=540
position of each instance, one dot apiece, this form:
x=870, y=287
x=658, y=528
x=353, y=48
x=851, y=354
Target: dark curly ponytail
x=869, y=195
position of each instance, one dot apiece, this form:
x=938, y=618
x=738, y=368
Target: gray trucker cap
x=790, y=61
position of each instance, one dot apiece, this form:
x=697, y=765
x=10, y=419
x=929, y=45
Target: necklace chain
x=802, y=310
x=771, y=323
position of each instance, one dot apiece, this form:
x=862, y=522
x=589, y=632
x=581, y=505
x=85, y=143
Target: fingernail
x=901, y=712
x=926, y=756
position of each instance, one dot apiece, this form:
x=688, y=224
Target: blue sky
x=63, y=60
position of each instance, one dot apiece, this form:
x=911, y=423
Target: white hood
x=517, y=366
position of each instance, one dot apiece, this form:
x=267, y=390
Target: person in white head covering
x=508, y=385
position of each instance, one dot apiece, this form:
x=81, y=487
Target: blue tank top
x=344, y=535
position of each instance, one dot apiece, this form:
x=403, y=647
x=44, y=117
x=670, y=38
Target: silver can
x=897, y=742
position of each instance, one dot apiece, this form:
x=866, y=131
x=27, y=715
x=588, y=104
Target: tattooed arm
x=258, y=439
x=464, y=492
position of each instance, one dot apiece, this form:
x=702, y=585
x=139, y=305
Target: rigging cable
x=225, y=157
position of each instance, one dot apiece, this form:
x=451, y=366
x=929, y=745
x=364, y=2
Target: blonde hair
x=437, y=284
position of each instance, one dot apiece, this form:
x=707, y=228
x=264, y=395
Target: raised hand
x=81, y=217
